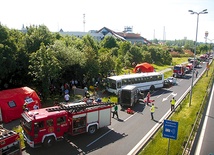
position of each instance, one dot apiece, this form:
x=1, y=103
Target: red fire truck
x=47, y=125
x=9, y=142
x=179, y=71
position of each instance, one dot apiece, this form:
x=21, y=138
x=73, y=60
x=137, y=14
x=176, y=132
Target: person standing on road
x=152, y=110
x=148, y=98
x=115, y=112
x=196, y=73
x=172, y=104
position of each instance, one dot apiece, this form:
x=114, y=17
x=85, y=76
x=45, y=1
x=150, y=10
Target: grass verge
x=185, y=115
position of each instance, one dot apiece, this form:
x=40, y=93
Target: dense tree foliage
x=41, y=58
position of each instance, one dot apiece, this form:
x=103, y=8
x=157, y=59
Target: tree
x=9, y=46
x=136, y=54
x=91, y=68
x=106, y=63
x=36, y=35
x=44, y=67
x=124, y=47
x=71, y=59
x=109, y=42
x=146, y=57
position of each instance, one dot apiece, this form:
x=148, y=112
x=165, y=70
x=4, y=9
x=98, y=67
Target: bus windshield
x=112, y=84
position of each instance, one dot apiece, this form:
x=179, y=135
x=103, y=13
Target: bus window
x=113, y=85
x=129, y=81
x=119, y=85
x=124, y=82
x=133, y=81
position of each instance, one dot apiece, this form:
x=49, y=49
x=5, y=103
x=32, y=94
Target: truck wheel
x=49, y=141
x=92, y=129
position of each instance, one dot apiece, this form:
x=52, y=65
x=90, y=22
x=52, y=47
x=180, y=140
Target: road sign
x=170, y=129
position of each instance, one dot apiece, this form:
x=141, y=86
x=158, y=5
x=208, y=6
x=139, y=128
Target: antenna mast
x=83, y=22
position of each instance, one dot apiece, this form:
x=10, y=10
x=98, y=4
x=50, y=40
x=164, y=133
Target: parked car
x=173, y=80
x=169, y=82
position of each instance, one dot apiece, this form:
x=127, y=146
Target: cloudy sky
x=149, y=18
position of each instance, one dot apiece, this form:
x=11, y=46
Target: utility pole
x=83, y=22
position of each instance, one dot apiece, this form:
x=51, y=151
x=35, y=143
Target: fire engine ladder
x=76, y=108
x=4, y=133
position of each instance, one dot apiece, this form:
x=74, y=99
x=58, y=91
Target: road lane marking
x=75, y=146
x=129, y=117
x=99, y=137
x=166, y=98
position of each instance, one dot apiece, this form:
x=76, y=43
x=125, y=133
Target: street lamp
x=197, y=13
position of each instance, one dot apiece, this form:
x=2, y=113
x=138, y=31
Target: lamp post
x=197, y=13
x=206, y=35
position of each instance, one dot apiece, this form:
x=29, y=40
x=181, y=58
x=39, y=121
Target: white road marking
x=99, y=137
x=129, y=117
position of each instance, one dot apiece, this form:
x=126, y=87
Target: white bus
x=143, y=81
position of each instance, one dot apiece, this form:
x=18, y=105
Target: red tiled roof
x=129, y=35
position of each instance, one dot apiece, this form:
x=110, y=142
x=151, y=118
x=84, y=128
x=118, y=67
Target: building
x=126, y=35
x=93, y=33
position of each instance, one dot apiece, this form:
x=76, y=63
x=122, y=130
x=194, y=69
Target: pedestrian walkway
x=165, y=70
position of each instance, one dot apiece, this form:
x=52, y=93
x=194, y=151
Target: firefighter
x=152, y=110
x=172, y=104
x=115, y=112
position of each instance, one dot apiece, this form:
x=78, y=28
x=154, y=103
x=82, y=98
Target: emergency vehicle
x=189, y=68
x=47, y=125
x=179, y=71
x=9, y=142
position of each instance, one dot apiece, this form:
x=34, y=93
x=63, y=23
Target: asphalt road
x=124, y=134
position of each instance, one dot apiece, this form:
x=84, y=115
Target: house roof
x=111, y=31
x=123, y=35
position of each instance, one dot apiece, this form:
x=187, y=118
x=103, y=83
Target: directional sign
x=170, y=129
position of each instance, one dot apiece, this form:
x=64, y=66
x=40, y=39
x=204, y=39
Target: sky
x=160, y=19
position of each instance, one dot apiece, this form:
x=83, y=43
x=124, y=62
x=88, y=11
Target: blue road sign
x=170, y=129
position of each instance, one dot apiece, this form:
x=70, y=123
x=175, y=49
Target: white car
x=172, y=80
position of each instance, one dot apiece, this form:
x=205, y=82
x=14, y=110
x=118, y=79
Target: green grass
x=185, y=115
x=168, y=74
x=179, y=60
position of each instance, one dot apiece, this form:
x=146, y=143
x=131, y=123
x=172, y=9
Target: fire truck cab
x=47, y=125
x=179, y=71
x=9, y=142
